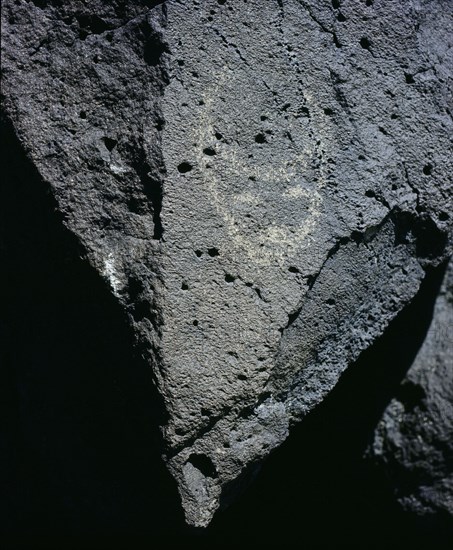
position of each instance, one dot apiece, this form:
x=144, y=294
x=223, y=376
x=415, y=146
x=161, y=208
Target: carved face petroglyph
x=277, y=207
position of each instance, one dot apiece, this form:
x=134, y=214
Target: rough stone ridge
x=262, y=184
x=414, y=440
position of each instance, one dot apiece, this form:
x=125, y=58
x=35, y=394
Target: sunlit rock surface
x=262, y=185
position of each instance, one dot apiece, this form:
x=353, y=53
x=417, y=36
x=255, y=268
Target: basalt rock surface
x=414, y=439
x=263, y=186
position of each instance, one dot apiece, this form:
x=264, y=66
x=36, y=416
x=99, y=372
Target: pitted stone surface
x=262, y=185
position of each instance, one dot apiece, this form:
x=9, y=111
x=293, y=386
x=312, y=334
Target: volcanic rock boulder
x=414, y=440
x=262, y=185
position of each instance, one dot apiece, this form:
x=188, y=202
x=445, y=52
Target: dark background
x=79, y=444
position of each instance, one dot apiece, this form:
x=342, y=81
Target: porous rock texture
x=414, y=440
x=263, y=185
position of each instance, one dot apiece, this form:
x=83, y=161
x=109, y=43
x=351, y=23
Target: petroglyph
x=266, y=230
x=262, y=184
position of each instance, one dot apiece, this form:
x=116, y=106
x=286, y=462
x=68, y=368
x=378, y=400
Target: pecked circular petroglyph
x=265, y=196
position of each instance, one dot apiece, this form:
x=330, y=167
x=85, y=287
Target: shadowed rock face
x=413, y=441
x=262, y=185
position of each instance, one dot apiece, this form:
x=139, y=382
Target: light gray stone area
x=261, y=183
x=414, y=440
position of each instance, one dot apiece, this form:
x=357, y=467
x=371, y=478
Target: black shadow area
x=317, y=489
x=79, y=446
